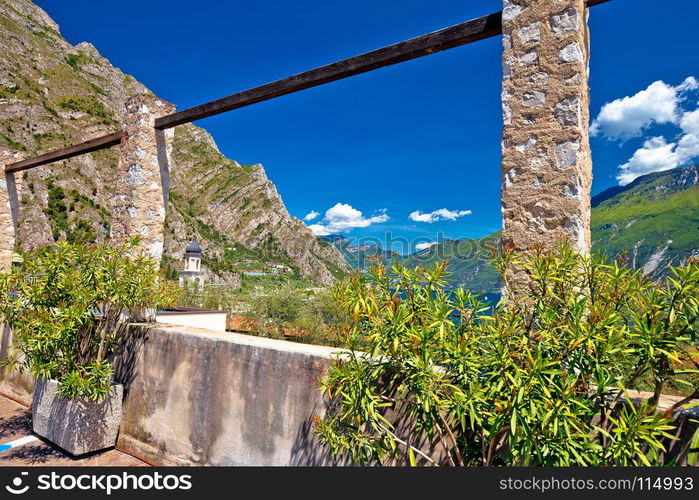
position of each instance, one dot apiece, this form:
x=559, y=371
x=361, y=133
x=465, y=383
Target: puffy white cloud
x=656, y=155
x=629, y=116
x=311, y=215
x=343, y=217
x=437, y=215
x=423, y=246
x=688, y=145
x=319, y=230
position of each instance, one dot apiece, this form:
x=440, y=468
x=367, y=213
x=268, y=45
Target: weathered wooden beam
x=103, y=142
x=447, y=38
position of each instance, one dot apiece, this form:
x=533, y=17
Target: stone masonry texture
x=144, y=158
x=7, y=223
x=546, y=161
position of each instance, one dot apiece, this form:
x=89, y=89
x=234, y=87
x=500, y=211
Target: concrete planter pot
x=79, y=425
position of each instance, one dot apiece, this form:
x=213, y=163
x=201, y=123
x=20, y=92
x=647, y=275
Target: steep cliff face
x=53, y=94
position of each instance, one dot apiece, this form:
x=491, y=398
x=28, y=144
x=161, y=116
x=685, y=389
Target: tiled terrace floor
x=16, y=422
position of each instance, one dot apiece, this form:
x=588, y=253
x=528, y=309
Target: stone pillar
x=546, y=161
x=9, y=206
x=144, y=157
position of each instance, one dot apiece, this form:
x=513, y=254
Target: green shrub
x=296, y=314
x=65, y=305
x=279, y=308
x=540, y=380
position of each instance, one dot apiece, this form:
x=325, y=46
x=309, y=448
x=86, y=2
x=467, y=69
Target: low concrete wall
x=211, y=320
x=196, y=396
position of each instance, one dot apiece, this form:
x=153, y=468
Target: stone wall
x=546, y=161
x=142, y=186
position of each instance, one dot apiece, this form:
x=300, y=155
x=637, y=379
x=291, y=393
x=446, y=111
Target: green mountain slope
x=467, y=265
x=358, y=256
x=655, y=219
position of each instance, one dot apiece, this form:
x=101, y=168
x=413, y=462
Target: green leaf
x=693, y=456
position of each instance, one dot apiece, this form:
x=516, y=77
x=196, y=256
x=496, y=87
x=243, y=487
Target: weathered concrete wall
x=144, y=159
x=8, y=207
x=546, y=161
x=18, y=386
x=200, y=397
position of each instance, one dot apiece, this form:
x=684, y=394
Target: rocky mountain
x=53, y=94
x=655, y=219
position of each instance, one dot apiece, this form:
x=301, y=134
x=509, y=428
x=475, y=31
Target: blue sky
x=416, y=137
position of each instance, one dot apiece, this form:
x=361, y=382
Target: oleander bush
x=542, y=379
x=68, y=305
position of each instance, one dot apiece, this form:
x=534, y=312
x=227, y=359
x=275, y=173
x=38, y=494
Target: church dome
x=193, y=248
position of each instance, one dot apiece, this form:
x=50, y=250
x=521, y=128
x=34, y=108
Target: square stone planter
x=78, y=425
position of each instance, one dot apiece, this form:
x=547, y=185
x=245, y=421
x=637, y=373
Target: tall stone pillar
x=546, y=161
x=144, y=157
x=9, y=207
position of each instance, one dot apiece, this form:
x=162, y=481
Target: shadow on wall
x=124, y=358
x=307, y=451
x=198, y=397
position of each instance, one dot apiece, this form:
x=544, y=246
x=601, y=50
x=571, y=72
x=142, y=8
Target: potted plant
x=68, y=306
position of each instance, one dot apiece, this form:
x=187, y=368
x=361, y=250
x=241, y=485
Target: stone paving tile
x=15, y=422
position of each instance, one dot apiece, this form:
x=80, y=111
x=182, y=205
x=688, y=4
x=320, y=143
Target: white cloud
x=656, y=155
x=688, y=145
x=311, y=215
x=319, y=230
x=437, y=215
x=423, y=246
x=343, y=217
x=629, y=116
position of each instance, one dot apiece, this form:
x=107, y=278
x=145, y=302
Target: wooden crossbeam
x=103, y=142
x=447, y=38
